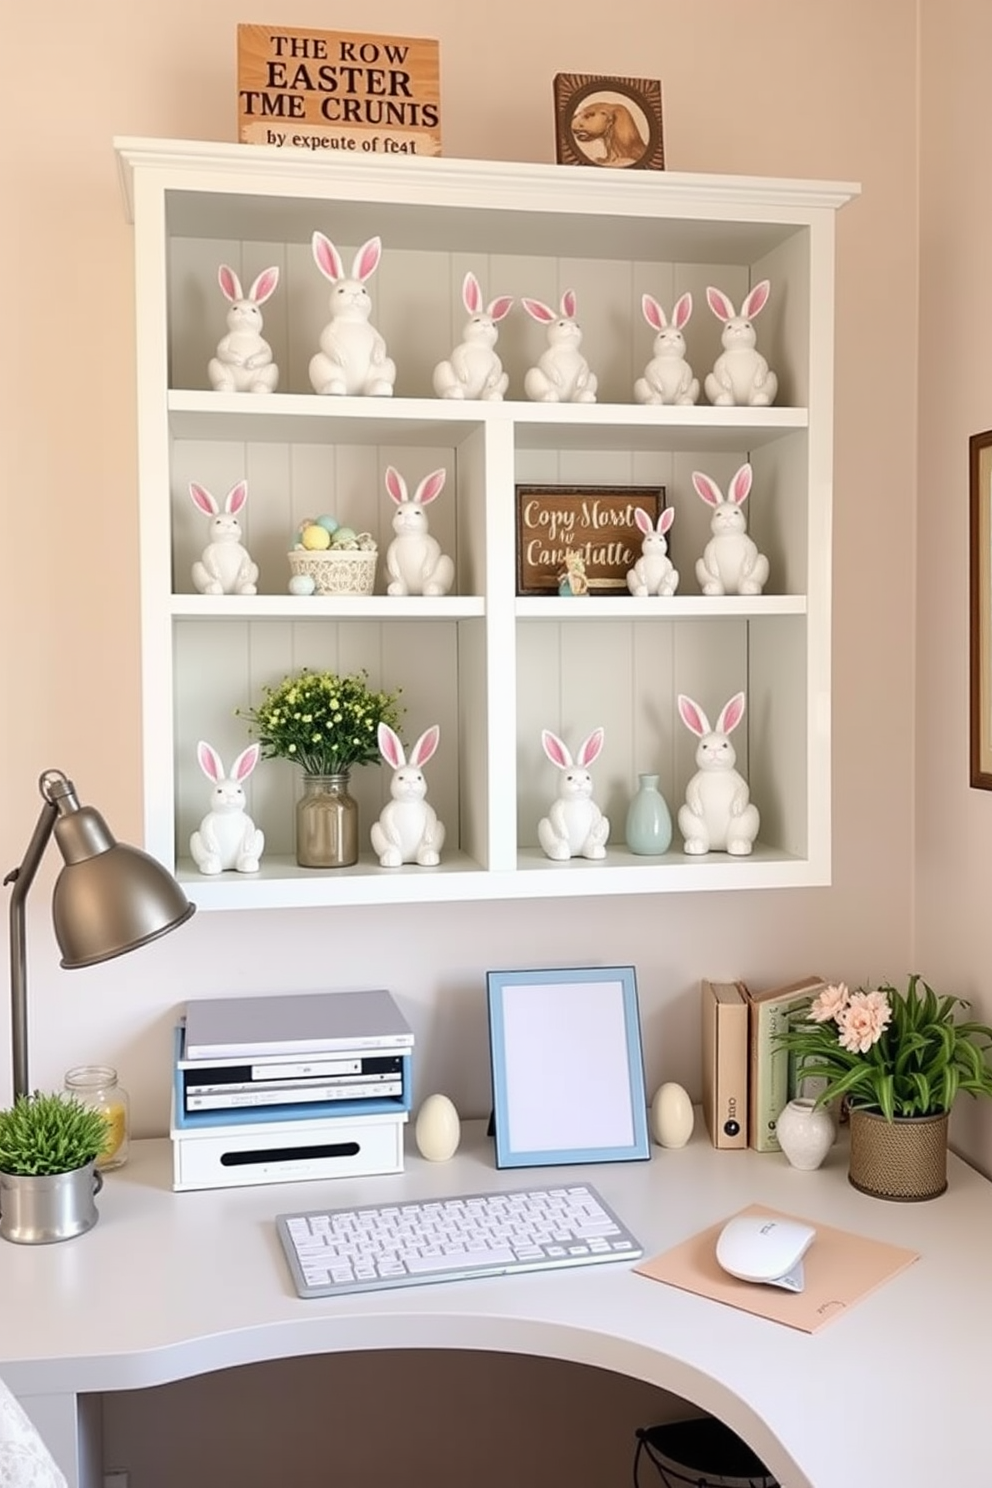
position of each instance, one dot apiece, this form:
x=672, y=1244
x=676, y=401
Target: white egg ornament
x=438, y=1129
x=672, y=1116
x=302, y=584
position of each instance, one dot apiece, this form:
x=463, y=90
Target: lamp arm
x=22, y=878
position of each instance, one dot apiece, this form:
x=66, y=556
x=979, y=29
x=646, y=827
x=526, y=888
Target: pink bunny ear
x=643, y=520
x=731, y=714
x=245, y=762
x=230, y=283
x=653, y=313
x=395, y=484
x=706, y=488
x=236, y=497
x=591, y=747
x=500, y=306
x=425, y=746
x=757, y=299
x=367, y=259
x=390, y=747
x=741, y=485
x=264, y=286
x=568, y=303
x=693, y=716
x=203, y=500
x=538, y=310
x=471, y=294
x=557, y=751
x=210, y=761
x=666, y=519
x=719, y=304
x=682, y=311
x=430, y=487
x=327, y=258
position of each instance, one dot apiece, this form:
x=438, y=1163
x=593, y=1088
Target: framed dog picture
x=608, y=122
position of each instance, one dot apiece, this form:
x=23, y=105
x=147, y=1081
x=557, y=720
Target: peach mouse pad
x=840, y=1268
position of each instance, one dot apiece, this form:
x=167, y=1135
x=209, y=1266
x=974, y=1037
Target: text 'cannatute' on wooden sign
x=596, y=523
x=338, y=90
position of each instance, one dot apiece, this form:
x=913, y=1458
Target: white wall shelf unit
x=491, y=667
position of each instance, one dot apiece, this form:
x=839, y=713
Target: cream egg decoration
x=438, y=1129
x=672, y=1116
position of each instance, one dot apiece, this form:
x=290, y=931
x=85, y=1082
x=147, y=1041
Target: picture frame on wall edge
x=980, y=608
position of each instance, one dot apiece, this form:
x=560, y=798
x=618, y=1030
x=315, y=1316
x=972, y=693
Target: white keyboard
x=334, y=1251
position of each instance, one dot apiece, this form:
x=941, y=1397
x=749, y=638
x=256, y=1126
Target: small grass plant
x=45, y=1134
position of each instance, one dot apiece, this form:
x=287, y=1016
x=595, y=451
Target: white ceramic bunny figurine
x=225, y=565
x=408, y=830
x=227, y=837
x=562, y=373
x=668, y=376
x=243, y=363
x=414, y=561
x=731, y=563
x=352, y=357
x=717, y=814
x=653, y=573
x=475, y=371
x=740, y=373
x=574, y=826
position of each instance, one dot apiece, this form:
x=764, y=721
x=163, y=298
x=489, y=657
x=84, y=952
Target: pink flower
x=863, y=1021
x=830, y=1003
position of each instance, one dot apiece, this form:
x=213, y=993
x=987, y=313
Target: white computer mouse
x=758, y=1247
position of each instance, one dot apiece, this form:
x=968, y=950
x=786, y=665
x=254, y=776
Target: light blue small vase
x=649, y=822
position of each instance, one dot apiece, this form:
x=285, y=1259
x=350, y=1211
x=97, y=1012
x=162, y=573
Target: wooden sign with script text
x=597, y=522
x=338, y=90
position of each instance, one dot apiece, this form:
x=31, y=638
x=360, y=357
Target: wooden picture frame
x=596, y=521
x=980, y=626
x=611, y=122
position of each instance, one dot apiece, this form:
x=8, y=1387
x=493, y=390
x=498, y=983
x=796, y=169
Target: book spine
x=771, y=1068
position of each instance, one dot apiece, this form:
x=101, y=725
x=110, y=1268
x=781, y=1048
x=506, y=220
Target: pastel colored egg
x=344, y=535
x=329, y=524
x=302, y=584
x=672, y=1116
x=438, y=1129
x=315, y=538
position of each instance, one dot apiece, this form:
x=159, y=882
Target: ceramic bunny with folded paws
x=562, y=373
x=225, y=565
x=227, y=837
x=653, y=573
x=718, y=814
x=668, y=376
x=740, y=373
x=731, y=563
x=352, y=358
x=408, y=830
x=414, y=561
x=475, y=370
x=243, y=363
x=574, y=826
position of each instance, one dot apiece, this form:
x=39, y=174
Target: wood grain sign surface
x=338, y=90
x=596, y=521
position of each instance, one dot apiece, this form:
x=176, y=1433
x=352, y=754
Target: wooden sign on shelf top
x=338, y=90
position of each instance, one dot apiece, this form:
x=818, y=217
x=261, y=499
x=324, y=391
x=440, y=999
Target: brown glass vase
x=905, y=1158
x=326, y=823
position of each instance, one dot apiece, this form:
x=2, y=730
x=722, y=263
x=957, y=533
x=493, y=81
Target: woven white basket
x=336, y=571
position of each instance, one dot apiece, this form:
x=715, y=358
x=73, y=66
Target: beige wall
x=768, y=88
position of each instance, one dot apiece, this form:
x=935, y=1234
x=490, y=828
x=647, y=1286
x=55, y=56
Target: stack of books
x=275, y=1089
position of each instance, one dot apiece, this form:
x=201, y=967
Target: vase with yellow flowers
x=900, y=1059
x=326, y=724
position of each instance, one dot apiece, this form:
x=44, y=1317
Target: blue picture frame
x=567, y=1067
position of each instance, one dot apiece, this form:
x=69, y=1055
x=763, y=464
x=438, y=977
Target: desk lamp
x=108, y=898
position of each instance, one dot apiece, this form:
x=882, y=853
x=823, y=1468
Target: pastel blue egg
x=344, y=535
x=331, y=524
x=302, y=584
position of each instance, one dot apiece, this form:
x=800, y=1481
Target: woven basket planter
x=336, y=571
x=901, y=1159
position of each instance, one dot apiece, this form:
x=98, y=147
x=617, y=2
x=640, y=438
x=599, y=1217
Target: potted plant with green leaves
x=48, y=1179
x=900, y=1060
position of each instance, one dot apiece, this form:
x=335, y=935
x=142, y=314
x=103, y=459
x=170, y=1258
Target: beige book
x=725, y=1062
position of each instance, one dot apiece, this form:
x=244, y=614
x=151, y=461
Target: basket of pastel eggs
x=329, y=558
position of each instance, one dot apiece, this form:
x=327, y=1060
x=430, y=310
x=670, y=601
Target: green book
x=769, y=1014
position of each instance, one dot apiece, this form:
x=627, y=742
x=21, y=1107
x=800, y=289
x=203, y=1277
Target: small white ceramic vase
x=805, y=1133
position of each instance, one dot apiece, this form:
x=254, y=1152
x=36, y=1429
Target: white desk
x=169, y=1286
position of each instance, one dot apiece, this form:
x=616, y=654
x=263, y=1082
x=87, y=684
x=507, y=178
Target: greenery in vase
x=897, y=1053
x=324, y=723
x=44, y=1134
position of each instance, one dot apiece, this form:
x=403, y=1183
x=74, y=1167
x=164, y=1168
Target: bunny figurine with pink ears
x=227, y=836
x=667, y=377
x=718, y=814
x=740, y=373
x=414, y=561
x=731, y=563
x=225, y=565
x=243, y=363
x=475, y=371
x=352, y=358
x=562, y=373
x=408, y=830
x=574, y=826
x=653, y=573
